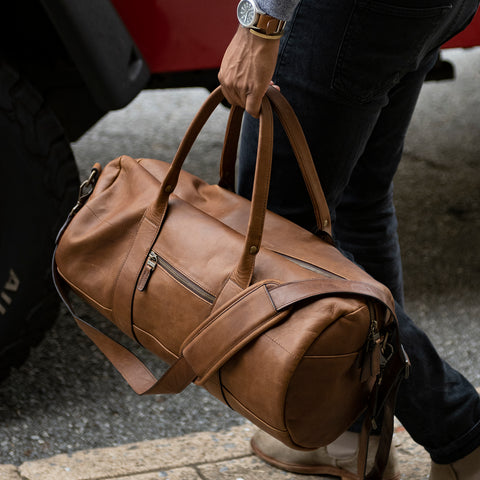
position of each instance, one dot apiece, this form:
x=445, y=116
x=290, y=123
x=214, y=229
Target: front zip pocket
x=154, y=260
x=310, y=266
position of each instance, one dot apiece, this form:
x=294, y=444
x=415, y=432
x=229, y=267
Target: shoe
x=467, y=468
x=338, y=458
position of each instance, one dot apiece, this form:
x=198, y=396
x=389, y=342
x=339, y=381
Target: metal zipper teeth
x=311, y=267
x=374, y=332
x=185, y=281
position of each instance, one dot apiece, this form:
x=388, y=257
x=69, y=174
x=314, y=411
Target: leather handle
x=242, y=275
x=298, y=142
x=156, y=210
x=230, y=147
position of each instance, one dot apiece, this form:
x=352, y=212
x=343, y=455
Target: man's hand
x=247, y=69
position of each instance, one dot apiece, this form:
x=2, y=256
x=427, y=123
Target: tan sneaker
x=338, y=458
x=467, y=468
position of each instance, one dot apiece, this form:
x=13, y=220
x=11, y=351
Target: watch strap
x=263, y=35
x=269, y=25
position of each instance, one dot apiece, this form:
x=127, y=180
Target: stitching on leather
x=100, y=219
x=362, y=307
x=251, y=413
x=149, y=221
x=239, y=340
x=220, y=314
x=282, y=347
x=316, y=356
x=125, y=259
x=118, y=167
x=222, y=388
x=327, y=357
x=77, y=289
x=139, y=364
x=356, y=352
x=156, y=340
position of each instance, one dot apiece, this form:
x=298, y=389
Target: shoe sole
x=310, y=469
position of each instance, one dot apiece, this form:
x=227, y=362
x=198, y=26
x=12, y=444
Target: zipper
x=310, y=266
x=374, y=334
x=371, y=363
x=155, y=260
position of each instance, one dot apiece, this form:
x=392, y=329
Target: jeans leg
x=366, y=223
x=438, y=407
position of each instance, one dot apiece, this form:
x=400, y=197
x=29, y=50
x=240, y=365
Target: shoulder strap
x=289, y=293
x=221, y=335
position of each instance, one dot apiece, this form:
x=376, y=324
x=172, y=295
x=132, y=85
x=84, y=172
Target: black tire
x=39, y=184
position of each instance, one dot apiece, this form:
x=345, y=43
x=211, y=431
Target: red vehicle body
x=171, y=40
x=185, y=37
x=470, y=37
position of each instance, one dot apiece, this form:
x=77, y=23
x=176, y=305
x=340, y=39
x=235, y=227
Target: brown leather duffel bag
x=268, y=317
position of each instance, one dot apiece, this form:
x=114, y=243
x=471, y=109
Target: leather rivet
x=253, y=249
x=325, y=223
x=169, y=189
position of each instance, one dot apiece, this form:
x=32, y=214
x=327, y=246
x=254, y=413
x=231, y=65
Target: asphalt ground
x=67, y=397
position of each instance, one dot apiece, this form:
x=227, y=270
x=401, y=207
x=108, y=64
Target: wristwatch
x=251, y=16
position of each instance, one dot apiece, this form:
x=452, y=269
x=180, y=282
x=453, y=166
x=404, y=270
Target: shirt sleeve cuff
x=281, y=9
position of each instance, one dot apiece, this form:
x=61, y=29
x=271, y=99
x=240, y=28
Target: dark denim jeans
x=353, y=71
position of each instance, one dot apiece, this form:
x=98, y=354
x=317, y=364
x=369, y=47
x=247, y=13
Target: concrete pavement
x=224, y=455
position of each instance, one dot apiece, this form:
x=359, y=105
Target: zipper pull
x=147, y=271
x=370, y=359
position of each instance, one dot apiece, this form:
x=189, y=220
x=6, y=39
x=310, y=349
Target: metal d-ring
x=86, y=189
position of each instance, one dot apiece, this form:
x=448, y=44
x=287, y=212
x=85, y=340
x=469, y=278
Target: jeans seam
x=341, y=53
x=405, y=66
x=284, y=45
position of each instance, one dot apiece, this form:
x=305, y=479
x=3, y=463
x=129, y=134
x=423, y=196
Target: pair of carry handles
x=242, y=275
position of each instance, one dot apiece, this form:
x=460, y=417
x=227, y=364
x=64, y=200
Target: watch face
x=246, y=13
